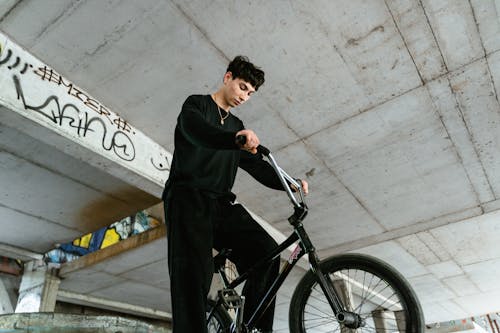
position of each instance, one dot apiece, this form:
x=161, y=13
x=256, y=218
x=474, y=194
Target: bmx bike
x=343, y=293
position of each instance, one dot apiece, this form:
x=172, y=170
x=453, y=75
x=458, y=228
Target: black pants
x=196, y=223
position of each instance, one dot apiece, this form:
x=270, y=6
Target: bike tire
x=374, y=290
x=220, y=322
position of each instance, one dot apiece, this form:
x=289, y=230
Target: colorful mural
x=102, y=238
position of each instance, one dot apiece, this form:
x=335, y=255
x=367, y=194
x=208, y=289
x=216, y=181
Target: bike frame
x=304, y=246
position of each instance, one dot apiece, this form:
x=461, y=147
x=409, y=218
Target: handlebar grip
x=241, y=140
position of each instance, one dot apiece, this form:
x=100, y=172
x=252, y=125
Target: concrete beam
x=453, y=121
x=75, y=323
x=101, y=303
x=403, y=231
x=47, y=106
x=452, y=326
x=18, y=253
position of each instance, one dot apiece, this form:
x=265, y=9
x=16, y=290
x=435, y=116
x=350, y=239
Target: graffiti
x=48, y=74
x=59, y=256
x=70, y=116
x=7, y=57
x=122, y=124
x=161, y=166
x=102, y=238
x=18, y=60
x=92, y=121
x=25, y=68
x=16, y=63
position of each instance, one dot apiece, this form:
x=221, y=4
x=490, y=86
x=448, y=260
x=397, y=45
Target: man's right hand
x=252, y=141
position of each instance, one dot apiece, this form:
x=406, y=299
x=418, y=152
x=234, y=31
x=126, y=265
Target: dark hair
x=242, y=68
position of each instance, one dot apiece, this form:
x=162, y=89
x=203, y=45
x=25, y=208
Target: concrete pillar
x=5, y=304
x=400, y=320
x=389, y=320
x=379, y=321
x=38, y=290
x=344, y=293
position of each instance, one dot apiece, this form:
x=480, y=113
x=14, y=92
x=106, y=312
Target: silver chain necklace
x=221, y=117
x=220, y=113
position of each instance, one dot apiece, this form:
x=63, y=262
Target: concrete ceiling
x=388, y=108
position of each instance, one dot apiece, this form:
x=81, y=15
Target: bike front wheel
x=366, y=286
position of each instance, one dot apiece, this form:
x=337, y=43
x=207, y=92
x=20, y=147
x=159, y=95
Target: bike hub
x=351, y=320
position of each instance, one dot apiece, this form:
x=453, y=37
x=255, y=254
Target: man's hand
x=305, y=186
x=252, y=141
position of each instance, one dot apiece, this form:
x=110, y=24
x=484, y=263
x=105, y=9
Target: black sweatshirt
x=206, y=156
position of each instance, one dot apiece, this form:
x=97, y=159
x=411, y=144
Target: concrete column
x=400, y=320
x=389, y=320
x=380, y=319
x=38, y=290
x=344, y=293
x=5, y=304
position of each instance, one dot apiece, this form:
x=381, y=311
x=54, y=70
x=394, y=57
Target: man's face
x=237, y=91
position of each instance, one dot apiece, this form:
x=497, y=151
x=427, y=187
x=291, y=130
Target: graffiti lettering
x=48, y=74
x=18, y=60
x=122, y=124
x=161, y=166
x=25, y=68
x=7, y=57
x=16, y=63
x=70, y=116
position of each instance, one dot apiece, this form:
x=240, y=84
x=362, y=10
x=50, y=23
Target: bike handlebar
x=283, y=176
x=241, y=140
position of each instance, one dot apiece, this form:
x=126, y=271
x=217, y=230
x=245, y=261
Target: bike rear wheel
x=366, y=286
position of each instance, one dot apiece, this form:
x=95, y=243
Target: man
x=200, y=209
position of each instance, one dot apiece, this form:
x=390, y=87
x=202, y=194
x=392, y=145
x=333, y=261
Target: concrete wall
x=58, y=323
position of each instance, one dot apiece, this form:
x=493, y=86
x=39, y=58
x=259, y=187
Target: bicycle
x=344, y=293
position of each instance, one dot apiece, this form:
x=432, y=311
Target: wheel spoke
x=364, y=289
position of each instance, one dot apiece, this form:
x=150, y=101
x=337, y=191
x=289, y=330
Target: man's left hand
x=305, y=186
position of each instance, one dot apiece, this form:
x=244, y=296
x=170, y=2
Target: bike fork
x=324, y=281
x=340, y=310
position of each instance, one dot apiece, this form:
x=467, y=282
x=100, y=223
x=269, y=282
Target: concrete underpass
x=388, y=108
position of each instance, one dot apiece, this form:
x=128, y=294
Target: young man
x=200, y=208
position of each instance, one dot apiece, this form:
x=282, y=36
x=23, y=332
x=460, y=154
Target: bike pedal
x=230, y=298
